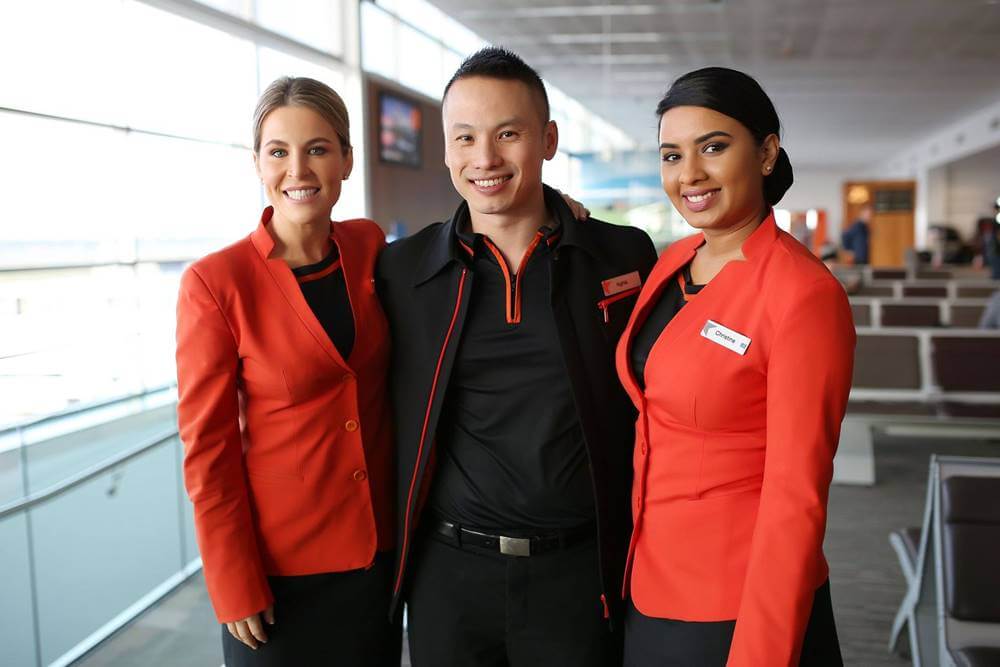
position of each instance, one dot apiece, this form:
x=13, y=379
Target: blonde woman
x=282, y=351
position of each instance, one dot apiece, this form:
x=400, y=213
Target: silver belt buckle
x=515, y=546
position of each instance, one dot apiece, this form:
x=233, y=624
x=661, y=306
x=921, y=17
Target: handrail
x=86, y=407
x=85, y=475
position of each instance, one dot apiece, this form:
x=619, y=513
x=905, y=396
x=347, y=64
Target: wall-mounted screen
x=399, y=130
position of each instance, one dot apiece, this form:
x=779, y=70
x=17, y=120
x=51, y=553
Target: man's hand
x=250, y=630
x=580, y=212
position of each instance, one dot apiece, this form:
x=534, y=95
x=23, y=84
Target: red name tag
x=621, y=283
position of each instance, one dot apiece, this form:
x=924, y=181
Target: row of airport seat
x=919, y=382
x=866, y=274
x=934, y=289
x=951, y=609
x=916, y=312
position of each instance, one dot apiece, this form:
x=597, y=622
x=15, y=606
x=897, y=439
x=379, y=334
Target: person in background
x=855, y=238
x=282, y=354
x=738, y=356
x=991, y=314
x=990, y=232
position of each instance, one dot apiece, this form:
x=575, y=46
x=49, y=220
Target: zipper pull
x=604, y=603
x=604, y=309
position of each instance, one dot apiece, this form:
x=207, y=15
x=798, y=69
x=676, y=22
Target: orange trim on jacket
x=333, y=268
x=423, y=431
x=734, y=452
x=513, y=282
x=288, y=452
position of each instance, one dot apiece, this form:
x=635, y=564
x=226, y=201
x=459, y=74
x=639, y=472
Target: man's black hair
x=496, y=62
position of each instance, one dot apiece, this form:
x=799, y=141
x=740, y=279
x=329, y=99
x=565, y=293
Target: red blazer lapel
x=755, y=249
x=676, y=256
x=289, y=287
x=353, y=254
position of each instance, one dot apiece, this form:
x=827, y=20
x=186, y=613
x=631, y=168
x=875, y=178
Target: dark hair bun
x=776, y=183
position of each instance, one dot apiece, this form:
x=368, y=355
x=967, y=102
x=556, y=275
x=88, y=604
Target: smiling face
x=301, y=164
x=495, y=143
x=712, y=168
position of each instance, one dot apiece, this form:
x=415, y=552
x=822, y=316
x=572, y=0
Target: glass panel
x=53, y=460
x=205, y=89
x=66, y=210
x=187, y=511
x=420, y=62
x=450, y=62
x=75, y=340
x=11, y=479
x=421, y=15
x=274, y=64
x=240, y=8
x=193, y=197
x=314, y=22
x=62, y=57
x=17, y=635
x=156, y=322
x=103, y=545
x=379, y=49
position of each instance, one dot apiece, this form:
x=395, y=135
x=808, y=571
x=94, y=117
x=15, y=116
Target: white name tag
x=725, y=337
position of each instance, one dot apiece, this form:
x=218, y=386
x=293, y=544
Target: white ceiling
x=854, y=81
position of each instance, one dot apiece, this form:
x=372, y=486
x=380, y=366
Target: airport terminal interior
x=127, y=125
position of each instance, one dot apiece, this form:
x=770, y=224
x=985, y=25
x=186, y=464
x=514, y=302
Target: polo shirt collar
x=455, y=242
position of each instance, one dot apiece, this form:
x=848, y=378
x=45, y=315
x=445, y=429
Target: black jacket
x=424, y=283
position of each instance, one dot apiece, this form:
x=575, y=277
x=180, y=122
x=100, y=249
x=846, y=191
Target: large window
x=127, y=130
x=414, y=43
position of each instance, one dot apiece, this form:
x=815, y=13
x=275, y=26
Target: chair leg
x=898, y=624
x=905, y=611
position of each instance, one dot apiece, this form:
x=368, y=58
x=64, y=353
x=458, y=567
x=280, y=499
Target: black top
x=511, y=448
x=672, y=298
x=325, y=291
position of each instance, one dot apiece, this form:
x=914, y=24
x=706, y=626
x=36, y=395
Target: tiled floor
x=866, y=583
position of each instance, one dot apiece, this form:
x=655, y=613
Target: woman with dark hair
x=738, y=357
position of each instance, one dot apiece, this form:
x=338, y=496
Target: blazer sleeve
x=808, y=381
x=208, y=421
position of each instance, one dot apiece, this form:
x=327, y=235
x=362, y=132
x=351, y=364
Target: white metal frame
x=932, y=633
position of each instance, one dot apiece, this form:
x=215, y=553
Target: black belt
x=507, y=545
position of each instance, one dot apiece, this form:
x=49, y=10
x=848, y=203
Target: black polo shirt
x=511, y=449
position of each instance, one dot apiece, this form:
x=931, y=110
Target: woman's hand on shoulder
x=250, y=630
x=580, y=212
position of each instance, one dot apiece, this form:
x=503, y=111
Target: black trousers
x=337, y=618
x=661, y=642
x=469, y=607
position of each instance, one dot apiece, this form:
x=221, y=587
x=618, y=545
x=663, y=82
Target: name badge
x=726, y=337
x=626, y=281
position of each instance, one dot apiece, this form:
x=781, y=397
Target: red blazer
x=287, y=445
x=734, y=452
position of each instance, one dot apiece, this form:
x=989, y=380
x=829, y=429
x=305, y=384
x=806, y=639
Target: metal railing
x=122, y=526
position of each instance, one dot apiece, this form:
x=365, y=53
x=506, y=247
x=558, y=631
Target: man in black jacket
x=514, y=436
